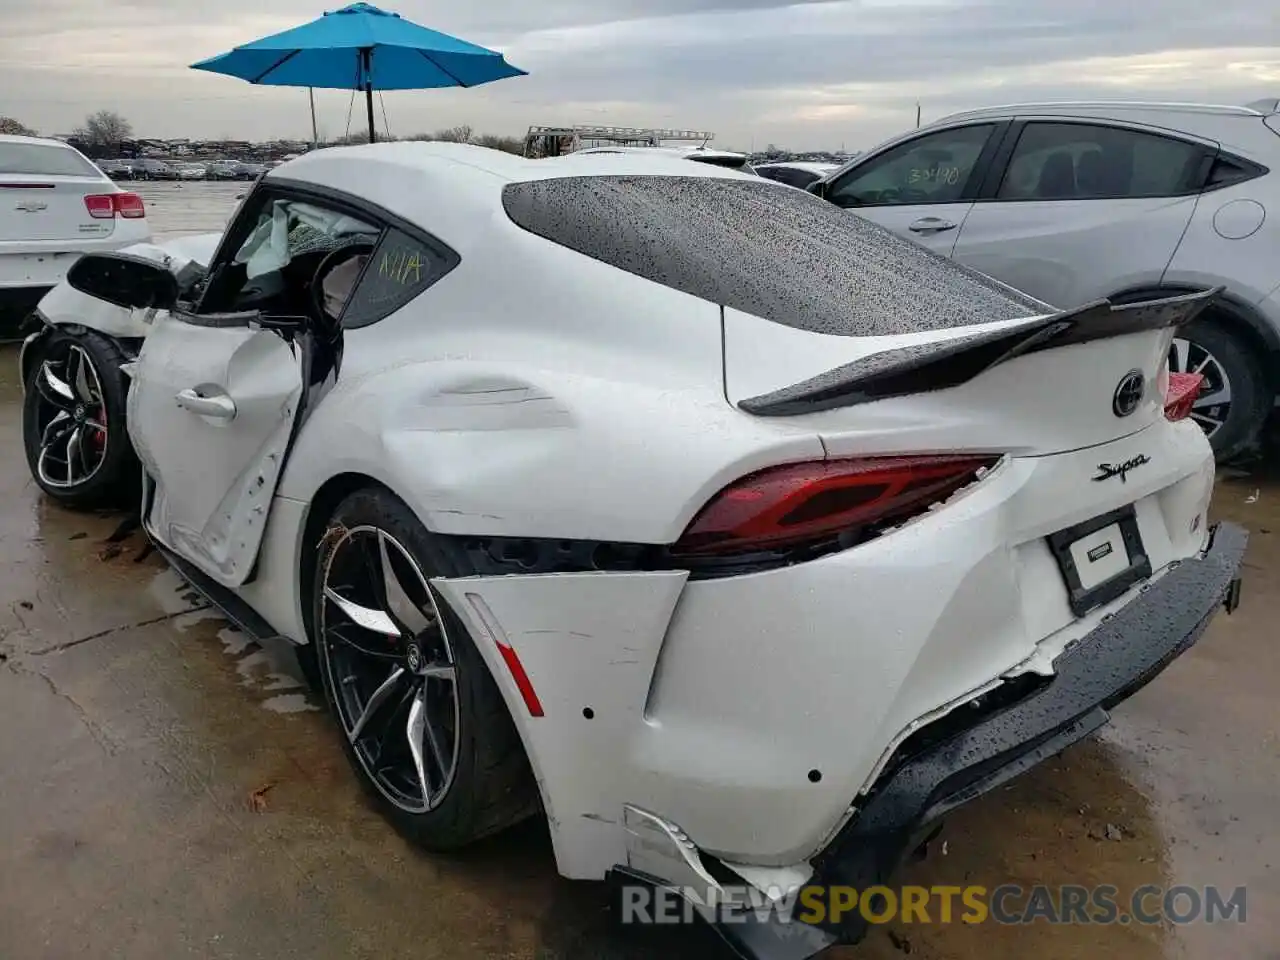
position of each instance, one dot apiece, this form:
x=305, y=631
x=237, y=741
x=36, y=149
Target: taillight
x=129, y=206
x=803, y=503
x=1181, y=393
x=105, y=206
x=100, y=206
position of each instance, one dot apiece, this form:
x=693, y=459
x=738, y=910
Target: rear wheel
x=1235, y=400
x=423, y=724
x=73, y=421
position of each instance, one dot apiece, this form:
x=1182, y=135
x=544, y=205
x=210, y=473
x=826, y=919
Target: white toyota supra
x=739, y=538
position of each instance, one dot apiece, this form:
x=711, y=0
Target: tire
x=105, y=460
x=490, y=786
x=1226, y=360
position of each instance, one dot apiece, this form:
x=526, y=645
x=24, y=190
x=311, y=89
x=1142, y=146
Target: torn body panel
x=212, y=414
x=588, y=644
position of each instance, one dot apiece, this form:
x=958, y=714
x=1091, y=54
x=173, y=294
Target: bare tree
x=459, y=134
x=495, y=142
x=13, y=128
x=104, y=128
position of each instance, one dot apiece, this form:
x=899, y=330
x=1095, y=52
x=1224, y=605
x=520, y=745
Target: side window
x=397, y=271
x=1079, y=161
x=934, y=168
x=279, y=244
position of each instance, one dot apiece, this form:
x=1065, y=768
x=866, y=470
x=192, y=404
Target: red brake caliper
x=100, y=436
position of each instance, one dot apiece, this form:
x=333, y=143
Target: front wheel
x=73, y=421
x=423, y=723
x=1235, y=399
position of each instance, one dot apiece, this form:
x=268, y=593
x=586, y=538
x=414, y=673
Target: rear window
x=37, y=158
x=780, y=254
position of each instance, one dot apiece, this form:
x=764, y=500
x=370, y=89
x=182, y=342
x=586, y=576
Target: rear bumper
x=30, y=270
x=1121, y=655
x=1107, y=666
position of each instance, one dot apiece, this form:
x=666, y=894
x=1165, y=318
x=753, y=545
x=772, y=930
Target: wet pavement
x=169, y=788
x=182, y=208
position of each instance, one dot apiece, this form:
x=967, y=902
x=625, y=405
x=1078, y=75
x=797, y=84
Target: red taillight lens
x=100, y=206
x=105, y=206
x=129, y=206
x=1181, y=394
x=801, y=503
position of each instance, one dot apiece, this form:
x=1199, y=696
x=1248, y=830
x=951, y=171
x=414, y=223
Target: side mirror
x=818, y=188
x=125, y=280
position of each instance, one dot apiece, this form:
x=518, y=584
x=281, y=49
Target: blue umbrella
x=361, y=47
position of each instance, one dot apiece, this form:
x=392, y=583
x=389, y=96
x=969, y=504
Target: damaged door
x=219, y=393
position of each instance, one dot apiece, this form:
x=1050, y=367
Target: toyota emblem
x=1129, y=393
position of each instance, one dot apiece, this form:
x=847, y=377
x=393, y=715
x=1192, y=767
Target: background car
x=1072, y=202
x=795, y=173
x=54, y=206
x=223, y=170
x=192, y=171
x=540, y=557
x=149, y=168
x=116, y=169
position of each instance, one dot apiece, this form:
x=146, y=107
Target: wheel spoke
x=1205, y=420
x=366, y=618
x=79, y=379
x=440, y=671
x=73, y=453
x=1179, y=356
x=57, y=429
x=415, y=731
x=54, y=390
x=442, y=760
x=376, y=701
x=400, y=605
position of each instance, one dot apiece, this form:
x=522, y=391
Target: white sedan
x=739, y=538
x=54, y=206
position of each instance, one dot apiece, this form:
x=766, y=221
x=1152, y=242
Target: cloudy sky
x=807, y=75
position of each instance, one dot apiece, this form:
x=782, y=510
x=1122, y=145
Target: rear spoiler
x=938, y=366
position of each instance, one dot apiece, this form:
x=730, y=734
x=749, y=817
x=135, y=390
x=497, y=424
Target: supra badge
x=1129, y=393
x=1108, y=470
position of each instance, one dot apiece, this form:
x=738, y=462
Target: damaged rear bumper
x=923, y=783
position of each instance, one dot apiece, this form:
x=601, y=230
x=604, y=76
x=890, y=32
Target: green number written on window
x=947, y=175
x=401, y=266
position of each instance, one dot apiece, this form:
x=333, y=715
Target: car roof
x=1072, y=107
x=455, y=191
x=466, y=163
x=40, y=141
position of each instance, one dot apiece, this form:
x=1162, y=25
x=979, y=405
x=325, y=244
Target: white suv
x=1074, y=202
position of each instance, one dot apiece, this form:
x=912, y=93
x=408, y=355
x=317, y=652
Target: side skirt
x=235, y=609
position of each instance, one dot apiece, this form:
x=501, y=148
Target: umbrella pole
x=366, y=60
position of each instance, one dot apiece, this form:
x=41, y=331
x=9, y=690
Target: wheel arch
x=1237, y=315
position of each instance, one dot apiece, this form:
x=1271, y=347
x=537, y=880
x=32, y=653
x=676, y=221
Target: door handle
x=222, y=407
x=931, y=225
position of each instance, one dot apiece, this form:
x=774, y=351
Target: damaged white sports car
x=738, y=537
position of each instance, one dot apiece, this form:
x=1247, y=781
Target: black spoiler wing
x=938, y=366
